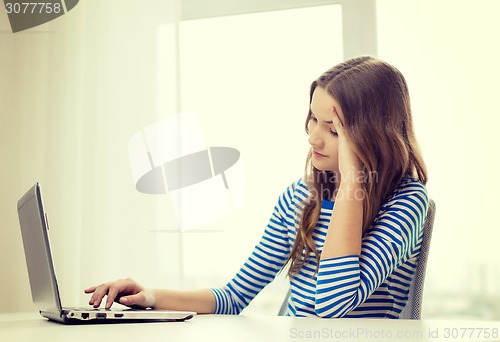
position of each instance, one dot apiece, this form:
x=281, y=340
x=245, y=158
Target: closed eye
x=315, y=119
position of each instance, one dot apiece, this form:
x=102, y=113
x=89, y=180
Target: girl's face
x=322, y=133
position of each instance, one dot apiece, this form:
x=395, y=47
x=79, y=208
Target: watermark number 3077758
x=32, y=7
x=24, y=15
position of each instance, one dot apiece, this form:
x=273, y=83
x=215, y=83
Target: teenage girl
x=348, y=232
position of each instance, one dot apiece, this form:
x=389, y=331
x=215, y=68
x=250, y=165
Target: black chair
x=413, y=308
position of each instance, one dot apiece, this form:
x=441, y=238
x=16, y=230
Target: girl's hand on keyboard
x=124, y=291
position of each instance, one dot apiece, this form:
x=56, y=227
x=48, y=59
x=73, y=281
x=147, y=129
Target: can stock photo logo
x=25, y=15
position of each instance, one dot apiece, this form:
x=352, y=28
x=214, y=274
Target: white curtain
x=73, y=92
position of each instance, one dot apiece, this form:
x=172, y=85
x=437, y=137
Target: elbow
x=325, y=314
x=236, y=310
x=334, y=309
x=226, y=303
x=331, y=314
x=232, y=309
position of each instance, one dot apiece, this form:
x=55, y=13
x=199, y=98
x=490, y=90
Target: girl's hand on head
x=124, y=291
x=350, y=166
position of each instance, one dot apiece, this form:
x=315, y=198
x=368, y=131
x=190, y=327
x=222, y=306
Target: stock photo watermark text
x=438, y=333
x=353, y=334
x=24, y=15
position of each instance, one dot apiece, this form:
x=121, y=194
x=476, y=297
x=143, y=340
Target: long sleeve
x=344, y=283
x=373, y=284
x=266, y=260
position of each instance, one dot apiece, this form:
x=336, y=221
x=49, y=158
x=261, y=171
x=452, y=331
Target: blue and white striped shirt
x=373, y=284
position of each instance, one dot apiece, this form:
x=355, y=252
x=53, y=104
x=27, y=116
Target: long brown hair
x=374, y=98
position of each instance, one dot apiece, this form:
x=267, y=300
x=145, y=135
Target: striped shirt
x=372, y=284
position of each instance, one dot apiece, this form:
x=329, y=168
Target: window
x=248, y=76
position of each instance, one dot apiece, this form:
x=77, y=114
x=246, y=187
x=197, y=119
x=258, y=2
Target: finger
x=95, y=301
x=138, y=300
x=98, y=294
x=336, y=120
x=90, y=289
x=129, y=300
x=112, y=293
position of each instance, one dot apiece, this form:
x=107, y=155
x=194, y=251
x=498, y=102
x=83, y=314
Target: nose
x=315, y=139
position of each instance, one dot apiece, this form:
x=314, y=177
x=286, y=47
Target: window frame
x=359, y=24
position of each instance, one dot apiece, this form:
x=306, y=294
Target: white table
x=31, y=327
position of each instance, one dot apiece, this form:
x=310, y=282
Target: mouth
x=319, y=155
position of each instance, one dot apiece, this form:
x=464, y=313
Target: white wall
x=73, y=92
x=448, y=50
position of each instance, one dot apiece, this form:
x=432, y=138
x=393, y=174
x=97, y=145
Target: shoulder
x=409, y=193
x=402, y=216
x=295, y=195
x=296, y=188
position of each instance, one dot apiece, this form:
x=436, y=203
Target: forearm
x=200, y=301
x=346, y=224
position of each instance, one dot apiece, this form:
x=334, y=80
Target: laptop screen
x=36, y=243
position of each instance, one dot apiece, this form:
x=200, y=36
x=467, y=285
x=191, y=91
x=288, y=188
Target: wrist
x=152, y=296
x=351, y=190
x=352, y=176
x=352, y=181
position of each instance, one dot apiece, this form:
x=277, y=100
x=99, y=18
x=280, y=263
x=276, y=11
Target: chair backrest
x=412, y=310
x=284, y=305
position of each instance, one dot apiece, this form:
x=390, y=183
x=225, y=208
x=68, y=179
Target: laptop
x=42, y=277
